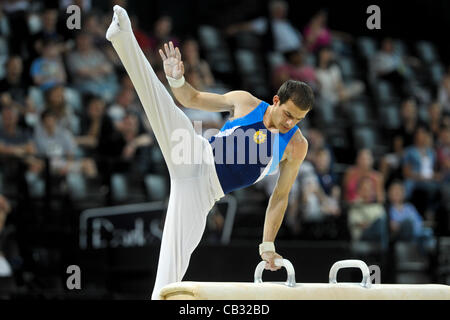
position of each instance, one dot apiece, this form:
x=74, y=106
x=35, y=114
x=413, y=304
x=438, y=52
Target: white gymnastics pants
x=194, y=188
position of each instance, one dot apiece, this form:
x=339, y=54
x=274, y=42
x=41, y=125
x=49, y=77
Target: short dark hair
x=47, y=113
x=299, y=92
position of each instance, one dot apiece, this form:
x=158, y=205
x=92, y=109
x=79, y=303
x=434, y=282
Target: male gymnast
x=196, y=185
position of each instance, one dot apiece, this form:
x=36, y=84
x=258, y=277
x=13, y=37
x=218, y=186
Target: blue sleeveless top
x=245, y=151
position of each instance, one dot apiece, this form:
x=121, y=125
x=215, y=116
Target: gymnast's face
x=287, y=115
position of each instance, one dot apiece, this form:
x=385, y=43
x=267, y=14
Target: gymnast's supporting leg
x=188, y=203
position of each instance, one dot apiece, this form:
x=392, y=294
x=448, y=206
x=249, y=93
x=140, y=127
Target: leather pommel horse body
x=290, y=290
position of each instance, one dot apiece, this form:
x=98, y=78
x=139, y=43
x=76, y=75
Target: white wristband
x=266, y=247
x=175, y=83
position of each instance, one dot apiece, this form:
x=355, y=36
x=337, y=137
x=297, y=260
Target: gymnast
x=258, y=139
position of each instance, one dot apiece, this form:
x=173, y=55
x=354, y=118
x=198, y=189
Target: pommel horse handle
x=366, y=283
x=280, y=263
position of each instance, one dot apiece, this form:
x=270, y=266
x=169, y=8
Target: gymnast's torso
x=245, y=150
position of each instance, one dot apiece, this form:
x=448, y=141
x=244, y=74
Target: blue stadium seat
x=210, y=38
x=364, y=137
x=400, y=47
x=247, y=61
x=437, y=73
x=119, y=188
x=156, y=187
x=358, y=112
x=275, y=59
x=36, y=185
x=367, y=47
x=73, y=98
x=76, y=185
x=348, y=68
x=390, y=116
x=37, y=97
x=426, y=51
x=384, y=92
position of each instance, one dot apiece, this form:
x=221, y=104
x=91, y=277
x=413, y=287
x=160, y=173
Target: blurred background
x=83, y=181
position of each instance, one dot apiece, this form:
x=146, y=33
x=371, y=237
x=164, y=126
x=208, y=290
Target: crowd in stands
x=66, y=98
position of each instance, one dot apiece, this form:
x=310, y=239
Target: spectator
x=443, y=154
x=92, y=72
x=444, y=93
x=162, y=33
x=367, y=219
x=193, y=64
x=325, y=175
x=285, y=36
x=391, y=163
x=126, y=141
x=331, y=86
x=409, y=123
x=363, y=169
x=59, y=146
x=315, y=205
x=125, y=101
x=406, y=224
x=91, y=125
x=318, y=35
x=295, y=68
x=65, y=115
x=48, y=70
x=5, y=208
x=435, y=119
x=419, y=165
x=390, y=66
x=14, y=83
x=49, y=32
x=317, y=142
x=14, y=142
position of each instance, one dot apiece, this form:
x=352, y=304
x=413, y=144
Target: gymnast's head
x=292, y=103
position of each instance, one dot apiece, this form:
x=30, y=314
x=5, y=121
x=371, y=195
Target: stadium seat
x=408, y=261
x=73, y=98
x=348, y=68
x=247, y=61
x=248, y=40
x=209, y=38
x=367, y=47
x=400, y=47
x=390, y=117
x=384, y=92
x=311, y=60
x=119, y=188
x=216, y=49
x=4, y=47
x=325, y=113
x=275, y=59
x=37, y=97
x=76, y=185
x=364, y=137
x=36, y=185
x=156, y=187
x=426, y=51
x=3, y=59
x=422, y=111
x=358, y=113
x=437, y=73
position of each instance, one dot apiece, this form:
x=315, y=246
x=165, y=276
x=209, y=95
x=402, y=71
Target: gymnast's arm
x=278, y=201
x=188, y=96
